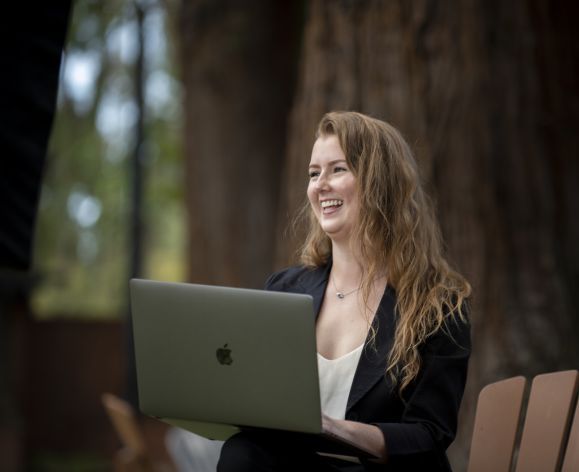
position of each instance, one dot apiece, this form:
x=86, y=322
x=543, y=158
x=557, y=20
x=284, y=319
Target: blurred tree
x=83, y=242
x=487, y=94
x=238, y=62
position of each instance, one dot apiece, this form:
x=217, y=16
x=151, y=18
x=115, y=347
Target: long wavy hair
x=397, y=234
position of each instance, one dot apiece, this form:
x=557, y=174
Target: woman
x=392, y=335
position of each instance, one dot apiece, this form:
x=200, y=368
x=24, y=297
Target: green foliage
x=82, y=251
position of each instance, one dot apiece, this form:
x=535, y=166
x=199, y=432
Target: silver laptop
x=213, y=359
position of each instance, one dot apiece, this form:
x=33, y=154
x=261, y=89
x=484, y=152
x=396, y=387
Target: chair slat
x=495, y=427
x=571, y=461
x=123, y=418
x=546, y=424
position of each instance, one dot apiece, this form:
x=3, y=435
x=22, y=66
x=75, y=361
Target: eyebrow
x=329, y=163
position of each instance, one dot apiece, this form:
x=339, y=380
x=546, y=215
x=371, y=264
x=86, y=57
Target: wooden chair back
x=551, y=405
x=496, y=424
x=547, y=441
x=571, y=461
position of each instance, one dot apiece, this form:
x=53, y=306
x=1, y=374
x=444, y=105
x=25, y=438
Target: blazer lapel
x=372, y=365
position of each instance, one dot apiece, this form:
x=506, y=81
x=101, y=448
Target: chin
x=330, y=230
x=335, y=234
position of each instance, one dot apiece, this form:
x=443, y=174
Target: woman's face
x=332, y=190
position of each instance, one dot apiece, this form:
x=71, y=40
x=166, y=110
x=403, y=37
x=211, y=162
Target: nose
x=322, y=182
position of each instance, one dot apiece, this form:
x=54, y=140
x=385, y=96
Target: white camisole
x=336, y=377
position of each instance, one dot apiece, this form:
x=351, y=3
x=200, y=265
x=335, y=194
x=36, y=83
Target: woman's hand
x=368, y=435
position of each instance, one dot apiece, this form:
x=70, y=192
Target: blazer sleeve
x=431, y=403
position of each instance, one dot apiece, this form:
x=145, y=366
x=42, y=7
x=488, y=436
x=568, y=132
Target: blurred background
x=169, y=139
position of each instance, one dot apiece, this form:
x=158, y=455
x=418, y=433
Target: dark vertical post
x=137, y=177
x=31, y=44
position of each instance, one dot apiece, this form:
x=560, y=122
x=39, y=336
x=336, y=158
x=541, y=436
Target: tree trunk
x=486, y=93
x=238, y=61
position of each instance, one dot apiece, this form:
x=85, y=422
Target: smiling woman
x=392, y=334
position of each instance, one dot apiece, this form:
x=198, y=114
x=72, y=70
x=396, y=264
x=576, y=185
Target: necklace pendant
x=340, y=295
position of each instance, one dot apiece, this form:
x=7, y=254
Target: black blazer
x=419, y=425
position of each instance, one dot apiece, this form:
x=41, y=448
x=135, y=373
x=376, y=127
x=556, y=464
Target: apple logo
x=224, y=355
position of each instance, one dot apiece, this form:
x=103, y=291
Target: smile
x=332, y=203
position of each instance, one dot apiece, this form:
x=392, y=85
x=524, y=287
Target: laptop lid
x=209, y=357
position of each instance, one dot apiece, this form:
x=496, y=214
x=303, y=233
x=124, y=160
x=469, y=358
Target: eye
x=314, y=173
x=340, y=169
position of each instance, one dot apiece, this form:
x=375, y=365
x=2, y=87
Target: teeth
x=329, y=203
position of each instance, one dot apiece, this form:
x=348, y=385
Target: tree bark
x=238, y=61
x=486, y=93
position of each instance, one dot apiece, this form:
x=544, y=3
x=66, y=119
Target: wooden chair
x=547, y=441
x=133, y=456
x=495, y=426
x=571, y=462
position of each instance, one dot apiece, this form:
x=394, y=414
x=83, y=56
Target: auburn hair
x=397, y=234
